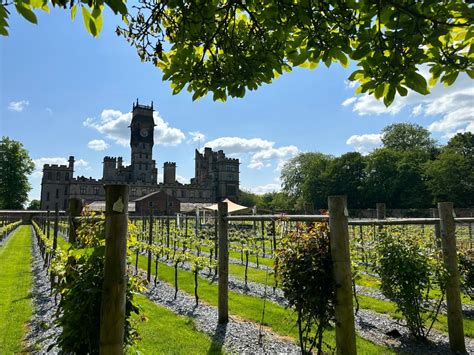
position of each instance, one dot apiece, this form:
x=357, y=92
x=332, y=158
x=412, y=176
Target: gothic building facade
x=216, y=176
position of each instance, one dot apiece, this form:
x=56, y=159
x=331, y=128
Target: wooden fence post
x=435, y=214
x=222, y=304
x=453, y=293
x=380, y=210
x=112, y=309
x=150, y=243
x=75, y=209
x=344, y=311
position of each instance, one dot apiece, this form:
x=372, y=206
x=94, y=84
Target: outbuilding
x=159, y=203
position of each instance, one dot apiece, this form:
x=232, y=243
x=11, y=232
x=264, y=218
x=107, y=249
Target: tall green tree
x=305, y=179
x=407, y=137
x=15, y=166
x=346, y=176
x=226, y=47
x=451, y=176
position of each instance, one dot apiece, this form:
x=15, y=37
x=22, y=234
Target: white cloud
x=349, y=101
x=450, y=108
x=182, y=179
x=18, y=106
x=97, y=144
x=38, y=172
x=262, y=189
x=364, y=143
x=114, y=125
x=261, y=153
x=197, y=136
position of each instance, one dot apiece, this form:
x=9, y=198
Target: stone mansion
x=216, y=177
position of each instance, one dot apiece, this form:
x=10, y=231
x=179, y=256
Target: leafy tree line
x=408, y=171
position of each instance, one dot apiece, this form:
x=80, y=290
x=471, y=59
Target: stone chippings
x=42, y=329
x=237, y=336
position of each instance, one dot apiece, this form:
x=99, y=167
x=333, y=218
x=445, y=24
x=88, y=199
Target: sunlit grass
x=15, y=284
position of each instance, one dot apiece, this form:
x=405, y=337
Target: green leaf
x=417, y=82
x=89, y=21
x=449, y=79
x=73, y=11
x=26, y=12
x=471, y=73
x=402, y=90
x=390, y=96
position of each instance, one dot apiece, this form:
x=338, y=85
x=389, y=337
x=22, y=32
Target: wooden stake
x=223, y=267
x=75, y=209
x=112, y=310
x=453, y=293
x=344, y=311
x=150, y=243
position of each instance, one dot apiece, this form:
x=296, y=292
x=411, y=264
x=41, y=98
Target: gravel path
x=43, y=331
x=371, y=325
x=237, y=336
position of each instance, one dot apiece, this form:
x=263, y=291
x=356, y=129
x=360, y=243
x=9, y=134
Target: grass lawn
x=164, y=332
x=281, y=320
x=15, y=284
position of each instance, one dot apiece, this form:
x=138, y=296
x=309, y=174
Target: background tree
x=34, y=205
x=15, y=166
x=451, y=175
x=408, y=136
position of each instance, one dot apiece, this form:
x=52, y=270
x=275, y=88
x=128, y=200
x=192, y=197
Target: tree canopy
x=226, y=47
x=408, y=171
x=15, y=166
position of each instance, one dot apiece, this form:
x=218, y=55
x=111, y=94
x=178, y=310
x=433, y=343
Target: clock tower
x=141, y=141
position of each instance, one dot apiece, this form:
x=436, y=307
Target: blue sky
x=65, y=93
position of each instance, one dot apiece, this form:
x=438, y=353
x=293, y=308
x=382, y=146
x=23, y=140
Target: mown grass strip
x=15, y=284
x=164, y=332
x=280, y=319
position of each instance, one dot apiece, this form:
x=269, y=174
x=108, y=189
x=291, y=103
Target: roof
x=190, y=206
x=99, y=206
x=231, y=206
x=144, y=197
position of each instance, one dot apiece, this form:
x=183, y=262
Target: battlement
x=143, y=107
x=85, y=179
x=55, y=167
x=170, y=163
x=109, y=159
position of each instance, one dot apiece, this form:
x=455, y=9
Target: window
x=140, y=155
x=83, y=190
x=146, y=166
x=57, y=193
x=58, y=176
x=146, y=155
x=65, y=205
x=96, y=190
x=134, y=191
x=151, y=203
x=140, y=166
x=50, y=175
x=200, y=194
x=65, y=190
x=47, y=196
x=66, y=176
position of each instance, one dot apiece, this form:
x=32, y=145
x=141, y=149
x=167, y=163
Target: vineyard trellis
x=196, y=243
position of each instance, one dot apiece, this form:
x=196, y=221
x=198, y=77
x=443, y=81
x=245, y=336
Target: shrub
x=409, y=268
x=80, y=286
x=466, y=268
x=305, y=269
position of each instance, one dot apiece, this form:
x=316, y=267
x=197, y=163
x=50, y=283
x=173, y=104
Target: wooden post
x=453, y=293
x=150, y=243
x=344, y=311
x=112, y=309
x=55, y=230
x=216, y=251
x=222, y=304
x=75, y=209
x=380, y=210
x=435, y=214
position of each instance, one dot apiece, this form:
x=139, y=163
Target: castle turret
x=109, y=169
x=169, y=173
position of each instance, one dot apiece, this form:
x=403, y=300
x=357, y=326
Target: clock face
x=144, y=132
